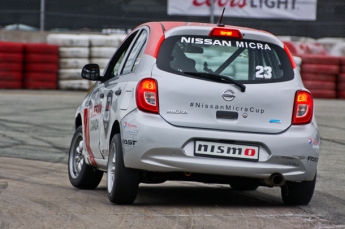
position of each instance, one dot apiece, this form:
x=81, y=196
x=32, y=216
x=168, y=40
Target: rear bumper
x=150, y=143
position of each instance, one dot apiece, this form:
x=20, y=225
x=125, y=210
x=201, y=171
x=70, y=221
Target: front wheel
x=81, y=175
x=298, y=193
x=122, y=182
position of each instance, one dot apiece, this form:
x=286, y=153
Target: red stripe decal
x=87, y=136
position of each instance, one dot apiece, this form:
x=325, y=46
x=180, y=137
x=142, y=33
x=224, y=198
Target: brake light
x=303, y=108
x=222, y=32
x=147, y=95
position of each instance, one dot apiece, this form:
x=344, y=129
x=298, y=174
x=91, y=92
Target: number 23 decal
x=263, y=72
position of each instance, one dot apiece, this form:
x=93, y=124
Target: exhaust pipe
x=276, y=179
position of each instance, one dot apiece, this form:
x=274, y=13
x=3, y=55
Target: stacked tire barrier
x=40, y=66
x=319, y=74
x=11, y=65
x=74, y=54
x=341, y=79
x=322, y=73
x=299, y=48
x=58, y=63
x=103, y=47
x=332, y=45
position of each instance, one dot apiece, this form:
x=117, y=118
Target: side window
x=113, y=69
x=118, y=63
x=135, y=55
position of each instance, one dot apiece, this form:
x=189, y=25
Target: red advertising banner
x=280, y=9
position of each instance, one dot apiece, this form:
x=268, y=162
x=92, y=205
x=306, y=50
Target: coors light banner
x=282, y=9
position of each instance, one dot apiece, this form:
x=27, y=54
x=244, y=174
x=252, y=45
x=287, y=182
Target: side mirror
x=91, y=72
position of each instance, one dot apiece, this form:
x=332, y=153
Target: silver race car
x=196, y=102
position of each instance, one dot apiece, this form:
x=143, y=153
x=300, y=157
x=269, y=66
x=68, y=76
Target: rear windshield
x=243, y=60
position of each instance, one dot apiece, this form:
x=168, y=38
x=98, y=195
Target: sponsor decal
x=130, y=143
x=226, y=150
x=222, y=3
x=277, y=121
x=312, y=141
x=313, y=159
x=278, y=4
x=227, y=107
x=88, y=103
x=287, y=9
x=129, y=125
x=105, y=152
x=94, y=125
x=106, y=116
x=97, y=109
x=130, y=129
x=177, y=112
x=220, y=42
x=315, y=144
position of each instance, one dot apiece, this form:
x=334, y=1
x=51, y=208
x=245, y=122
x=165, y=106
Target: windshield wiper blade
x=218, y=77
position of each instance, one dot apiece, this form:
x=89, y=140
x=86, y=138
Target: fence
x=123, y=15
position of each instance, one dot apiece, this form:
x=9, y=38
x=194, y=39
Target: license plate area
x=226, y=150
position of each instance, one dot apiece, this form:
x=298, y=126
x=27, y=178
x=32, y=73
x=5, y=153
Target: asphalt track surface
x=35, y=132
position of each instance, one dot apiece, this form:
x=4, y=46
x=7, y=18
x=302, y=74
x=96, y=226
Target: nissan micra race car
x=197, y=102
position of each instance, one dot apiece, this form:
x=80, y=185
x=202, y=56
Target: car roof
x=159, y=29
x=168, y=25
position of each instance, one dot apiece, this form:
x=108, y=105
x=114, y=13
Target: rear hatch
x=223, y=83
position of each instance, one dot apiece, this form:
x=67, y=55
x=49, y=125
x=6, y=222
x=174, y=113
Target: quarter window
x=116, y=62
x=134, y=57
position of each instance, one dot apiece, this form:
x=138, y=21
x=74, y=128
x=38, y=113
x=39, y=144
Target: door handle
x=118, y=92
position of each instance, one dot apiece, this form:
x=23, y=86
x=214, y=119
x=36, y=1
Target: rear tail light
x=303, y=108
x=147, y=95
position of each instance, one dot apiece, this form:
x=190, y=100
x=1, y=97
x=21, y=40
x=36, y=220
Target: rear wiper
x=218, y=78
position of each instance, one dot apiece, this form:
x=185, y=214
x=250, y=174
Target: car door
x=115, y=95
x=92, y=116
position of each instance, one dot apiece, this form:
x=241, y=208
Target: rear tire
x=122, y=182
x=298, y=193
x=81, y=175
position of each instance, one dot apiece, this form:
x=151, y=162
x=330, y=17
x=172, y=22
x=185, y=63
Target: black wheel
x=298, y=193
x=241, y=186
x=122, y=182
x=81, y=175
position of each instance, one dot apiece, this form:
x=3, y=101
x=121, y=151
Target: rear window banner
x=220, y=42
x=246, y=61
x=282, y=9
